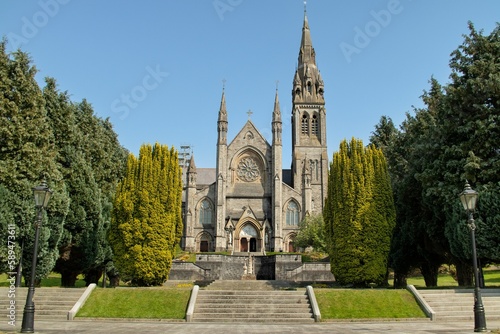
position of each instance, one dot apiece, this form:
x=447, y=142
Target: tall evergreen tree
x=146, y=220
x=359, y=214
x=91, y=160
x=470, y=139
x=453, y=138
x=27, y=153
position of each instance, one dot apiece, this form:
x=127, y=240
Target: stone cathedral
x=249, y=202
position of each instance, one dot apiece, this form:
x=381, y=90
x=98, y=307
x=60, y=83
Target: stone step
x=458, y=304
x=247, y=254
x=456, y=291
x=262, y=319
x=253, y=295
x=254, y=315
x=50, y=303
x=257, y=305
x=490, y=306
x=255, y=285
x=214, y=307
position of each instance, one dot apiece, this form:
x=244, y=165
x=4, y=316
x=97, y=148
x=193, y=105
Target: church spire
x=309, y=146
x=222, y=121
x=307, y=54
x=308, y=86
x=277, y=124
x=277, y=111
x=222, y=109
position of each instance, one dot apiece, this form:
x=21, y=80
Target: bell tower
x=309, y=147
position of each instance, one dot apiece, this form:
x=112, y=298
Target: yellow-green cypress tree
x=359, y=214
x=146, y=216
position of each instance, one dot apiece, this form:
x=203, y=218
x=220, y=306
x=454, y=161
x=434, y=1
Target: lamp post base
x=29, y=313
x=479, y=316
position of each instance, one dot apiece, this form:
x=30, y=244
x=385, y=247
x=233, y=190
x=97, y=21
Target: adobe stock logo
x=363, y=36
x=139, y=93
x=31, y=26
x=222, y=6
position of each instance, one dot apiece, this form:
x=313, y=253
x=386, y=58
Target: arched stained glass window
x=292, y=214
x=205, y=213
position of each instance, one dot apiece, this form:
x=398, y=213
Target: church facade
x=248, y=202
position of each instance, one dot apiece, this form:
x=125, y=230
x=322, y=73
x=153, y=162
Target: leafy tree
x=359, y=214
x=146, y=222
x=311, y=233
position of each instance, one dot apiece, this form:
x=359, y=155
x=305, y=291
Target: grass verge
x=151, y=303
x=367, y=303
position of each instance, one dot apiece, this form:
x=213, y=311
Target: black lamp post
x=468, y=197
x=42, y=195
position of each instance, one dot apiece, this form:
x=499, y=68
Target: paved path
x=133, y=327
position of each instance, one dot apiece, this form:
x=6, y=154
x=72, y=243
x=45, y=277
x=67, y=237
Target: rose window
x=248, y=170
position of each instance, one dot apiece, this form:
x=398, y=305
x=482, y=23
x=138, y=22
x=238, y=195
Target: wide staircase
x=251, y=302
x=458, y=304
x=50, y=303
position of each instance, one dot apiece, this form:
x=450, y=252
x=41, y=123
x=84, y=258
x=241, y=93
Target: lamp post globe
x=469, y=197
x=42, y=194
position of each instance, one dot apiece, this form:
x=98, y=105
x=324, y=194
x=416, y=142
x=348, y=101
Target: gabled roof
x=250, y=127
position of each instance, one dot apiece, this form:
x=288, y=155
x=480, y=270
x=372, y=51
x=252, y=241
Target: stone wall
x=286, y=267
x=311, y=272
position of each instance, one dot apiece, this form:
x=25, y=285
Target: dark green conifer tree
x=28, y=154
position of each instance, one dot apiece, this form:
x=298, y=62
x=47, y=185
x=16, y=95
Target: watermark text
x=12, y=265
x=365, y=34
x=31, y=26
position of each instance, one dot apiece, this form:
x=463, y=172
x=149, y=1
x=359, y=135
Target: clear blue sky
x=170, y=58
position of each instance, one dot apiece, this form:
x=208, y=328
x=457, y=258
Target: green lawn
x=367, y=303
x=156, y=303
x=52, y=280
x=491, y=279
x=334, y=303
x=171, y=303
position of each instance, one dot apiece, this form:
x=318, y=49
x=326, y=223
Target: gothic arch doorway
x=253, y=245
x=289, y=243
x=249, y=238
x=243, y=245
x=204, y=242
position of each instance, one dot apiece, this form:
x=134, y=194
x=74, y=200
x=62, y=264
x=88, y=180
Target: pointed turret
x=277, y=111
x=221, y=171
x=222, y=121
x=222, y=109
x=277, y=124
x=277, y=194
x=191, y=173
x=192, y=166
